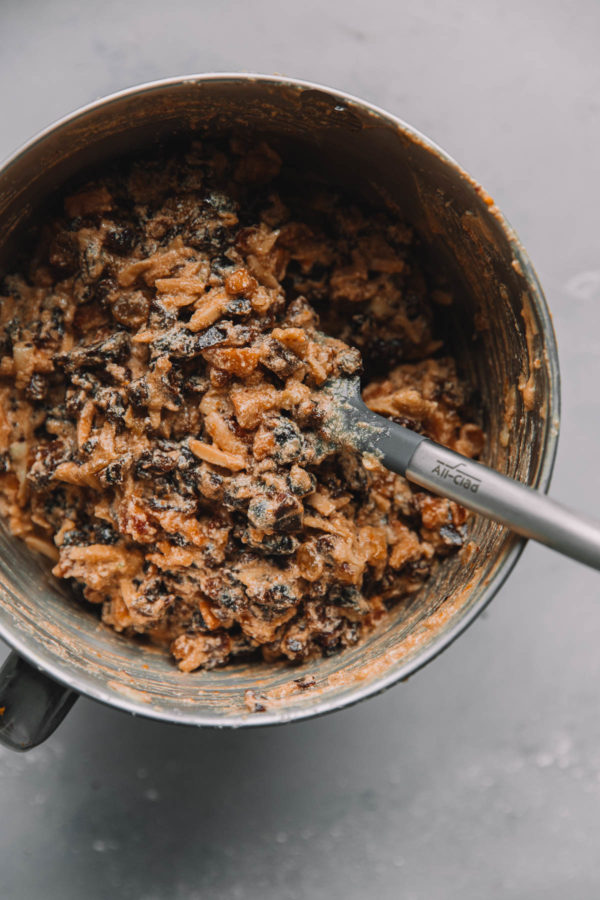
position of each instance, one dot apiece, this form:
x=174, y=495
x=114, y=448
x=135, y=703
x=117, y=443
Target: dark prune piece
x=13, y=331
x=112, y=349
x=187, y=507
x=74, y=403
x=155, y=588
x=161, y=318
x=210, y=237
x=413, y=304
x=331, y=645
x=155, y=598
x=284, y=432
x=231, y=600
x=58, y=320
x=451, y=392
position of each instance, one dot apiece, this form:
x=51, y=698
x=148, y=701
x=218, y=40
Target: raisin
x=112, y=474
x=277, y=597
x=451, y=536
x=280, y=360
x=300, y=482
x=37, y=387
x=105, y=534
x=349, y=362
x=382, y=355
x=305, y=682
x=179, y=343
x=47, y=459
x=280, y=544
x=131, y=309
x=74, y=538
x=154, y=462
x=139, y=393
x=288, y=440
x=197, y=624
x=119, y=240
x=63, y=253
x=111, y=403
x=239, y=307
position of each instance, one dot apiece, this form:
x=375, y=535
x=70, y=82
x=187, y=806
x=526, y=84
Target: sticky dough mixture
x=160, y=435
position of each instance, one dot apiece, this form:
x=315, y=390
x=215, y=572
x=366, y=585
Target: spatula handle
x=444, y=472
x=497, y=497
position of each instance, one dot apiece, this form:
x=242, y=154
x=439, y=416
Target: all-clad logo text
x=458, y=474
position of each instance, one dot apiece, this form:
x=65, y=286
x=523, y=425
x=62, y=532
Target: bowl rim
x=43, y=658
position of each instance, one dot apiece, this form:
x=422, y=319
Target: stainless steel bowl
x=501, y=330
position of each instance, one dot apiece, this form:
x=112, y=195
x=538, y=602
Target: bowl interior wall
x=496, y=327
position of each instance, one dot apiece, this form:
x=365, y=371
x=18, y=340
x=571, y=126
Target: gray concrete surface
x=481, y=777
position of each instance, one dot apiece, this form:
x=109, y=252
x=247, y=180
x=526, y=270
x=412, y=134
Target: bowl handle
x=32, y=705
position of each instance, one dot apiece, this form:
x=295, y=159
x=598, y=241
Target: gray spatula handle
x=523, y=509
x=483, y=490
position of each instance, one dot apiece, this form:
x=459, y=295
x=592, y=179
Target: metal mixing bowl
x=500, y=329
